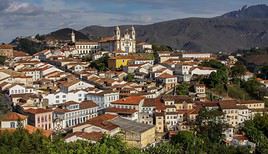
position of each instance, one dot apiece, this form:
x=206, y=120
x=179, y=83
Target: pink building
x=40, y=118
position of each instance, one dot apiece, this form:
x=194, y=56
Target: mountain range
x=241, y=29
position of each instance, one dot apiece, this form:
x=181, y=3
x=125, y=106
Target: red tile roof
x=166, y=75
x=154, y=102
x=87, y=104
x=30, y=129
x=38, y=111
x=120, y=110
x=102, y=121
x=93, y=136
x=228, y=105
x=6, y=46
x=13, y=116
x=131, y=100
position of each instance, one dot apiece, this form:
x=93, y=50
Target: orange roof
x=102, y=121
x=120, y=110
x=250, y=102
x=13, y=116
x=20, y=54
x=166, y=75
x=94, y=136
x=87, y=104
x=37, y=111
x=154, y=102
x=228, y=105
x=30, y=129
x=131, y=100
x=6, y=46
x=240, y=137
x=86, y=43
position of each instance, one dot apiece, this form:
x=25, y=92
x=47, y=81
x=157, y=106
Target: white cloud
x=22, y=8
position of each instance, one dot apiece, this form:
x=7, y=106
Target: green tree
x=217, y=79
x=209, y=125
x=254, y=88
x=2, y=60
x=101, y=64
x=256, y=130
x=129, y=77
x=214, y=64
x=156, y=47
x=183, y=88
x=165, y=148
x=189, y=142
x=238, y=70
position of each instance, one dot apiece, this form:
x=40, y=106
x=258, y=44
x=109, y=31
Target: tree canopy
x=257, y=131
x=2, y=60
x=101, y=64
x=183, y=88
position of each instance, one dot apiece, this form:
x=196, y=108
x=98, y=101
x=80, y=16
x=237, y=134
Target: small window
x=12, y=125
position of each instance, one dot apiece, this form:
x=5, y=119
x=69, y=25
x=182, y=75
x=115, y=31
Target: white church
x=120, y=43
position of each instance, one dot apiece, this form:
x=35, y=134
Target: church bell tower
x=73, y=37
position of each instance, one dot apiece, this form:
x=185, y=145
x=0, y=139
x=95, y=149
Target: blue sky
x=29, y=17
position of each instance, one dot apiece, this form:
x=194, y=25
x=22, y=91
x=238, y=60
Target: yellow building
x=118, y=62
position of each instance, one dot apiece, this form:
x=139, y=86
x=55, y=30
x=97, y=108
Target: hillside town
x=120, y=86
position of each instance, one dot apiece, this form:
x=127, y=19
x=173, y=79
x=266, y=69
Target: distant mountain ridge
x=65, y=34
x=242, y=29
x=257, y=12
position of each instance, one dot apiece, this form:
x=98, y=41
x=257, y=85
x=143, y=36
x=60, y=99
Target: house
x=60, y=97
x=35, y=73
x=86, y=47
x=103, y=98
x=92, y=137
x=74, y=84
x=144, y=47
x=73, y=113
x=157, y=73
x=12, y=120
x=130, y=114
x=183, y=70
x=100, y=124
x=40, y=118
x=19, y=89
x=247, y=76
x=141, y=60
x=118, y=62
x=6, y=50
x=200, y=91
x=26, y=100
x=135, y=134
x=131, y=102
x=196, y=55
x=167, y=81
x=242, y=140
x=198, y=70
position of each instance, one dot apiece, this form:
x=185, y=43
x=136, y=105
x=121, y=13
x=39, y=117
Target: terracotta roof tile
x=87, y=104
x=13, y=116
x=131, y=100
x=120, y=110
x=37, y=111
x=102, y=121
x=166, y=75
x=93, y=136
